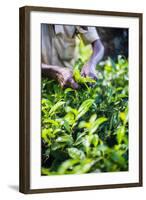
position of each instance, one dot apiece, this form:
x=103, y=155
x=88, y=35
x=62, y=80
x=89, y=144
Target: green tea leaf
x=66, y=125
x=65, y=139
x=84, y=124
x=84, y=107
x=93, y=118
x=97, y=123
x=120, y=134
x=68, y=164
x=70, y=118
x=55, y=107
x=76, y=153
x=95, y=140
x=50, y=121
x=72, y=110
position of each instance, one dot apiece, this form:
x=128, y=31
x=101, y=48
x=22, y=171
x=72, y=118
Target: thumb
x=74, y=85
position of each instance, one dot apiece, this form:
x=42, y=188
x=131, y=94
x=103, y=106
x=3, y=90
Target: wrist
x=92, y=64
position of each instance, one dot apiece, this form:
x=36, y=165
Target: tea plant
x=86, y=130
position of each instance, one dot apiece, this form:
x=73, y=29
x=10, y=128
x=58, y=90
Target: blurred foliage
x=86, y=130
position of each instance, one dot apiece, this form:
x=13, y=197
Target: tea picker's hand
x=66, y=79
x=89, y=70
x=63, y=75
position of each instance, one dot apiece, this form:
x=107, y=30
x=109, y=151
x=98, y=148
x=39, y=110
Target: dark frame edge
x=24, y=97
x=80, y=11
x=141, y=99
x=83, y=188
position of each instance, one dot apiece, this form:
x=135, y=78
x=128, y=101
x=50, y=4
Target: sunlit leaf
x=68, y=90
x=70, y=118
x=84, y=124
x=76, y=153
x=55, y=123
x=67, y=165
x=120, y=134
x=93, y=118
x=95, y=140
x=84, y=107
x=97, y=123
x=65, y=139
x=55, y=107
x=66, y=125
x=72, y=110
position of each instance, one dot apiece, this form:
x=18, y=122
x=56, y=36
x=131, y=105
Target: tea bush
x=86, y=130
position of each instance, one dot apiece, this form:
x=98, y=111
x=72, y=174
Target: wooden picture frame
x=25, y=99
